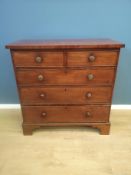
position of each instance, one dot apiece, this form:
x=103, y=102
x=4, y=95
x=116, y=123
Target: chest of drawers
x=65, y=82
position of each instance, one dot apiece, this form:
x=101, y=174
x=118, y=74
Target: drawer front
x=37, y=59
x=67, y=95
x=92, y=58
x=67, y=77
x=74, y=114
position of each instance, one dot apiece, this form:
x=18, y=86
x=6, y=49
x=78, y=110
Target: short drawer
x=65, y=114
x=92, y=58
x=65, y=77
x=37, y=59
x=65, y=95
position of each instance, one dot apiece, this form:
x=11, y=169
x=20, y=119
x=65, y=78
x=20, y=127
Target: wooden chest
x=65, y=82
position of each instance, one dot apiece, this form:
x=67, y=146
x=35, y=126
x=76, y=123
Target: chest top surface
x=66, y=44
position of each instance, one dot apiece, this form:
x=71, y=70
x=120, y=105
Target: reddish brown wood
x=104, y=128
x=101, y=58
x=65, y=95
x=56, y=59
x=28, y=129
x=65, y=114
x=65, y=88
x=68, y=77
x=66, y=44
x=28, y=59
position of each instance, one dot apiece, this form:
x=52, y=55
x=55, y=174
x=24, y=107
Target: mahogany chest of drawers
x=65, y=82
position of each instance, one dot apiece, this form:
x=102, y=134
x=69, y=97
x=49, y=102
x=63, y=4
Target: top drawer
x=92, y=58
x=37, y=59
x=56, y=58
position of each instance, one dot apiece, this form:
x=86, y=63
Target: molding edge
x=17, y=106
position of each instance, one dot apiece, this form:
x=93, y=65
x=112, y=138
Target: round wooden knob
x=40, y=77
x=88, y=94
x=88, y=114
x=91, y=58
x=42, y=95
x=90, y=76
x=38, y=59
x=43, y=114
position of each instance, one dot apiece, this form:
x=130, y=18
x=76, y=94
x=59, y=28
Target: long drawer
x=65, y=95
x=65, y=76
x=67, y=114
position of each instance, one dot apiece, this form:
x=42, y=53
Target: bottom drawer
x=65, y=114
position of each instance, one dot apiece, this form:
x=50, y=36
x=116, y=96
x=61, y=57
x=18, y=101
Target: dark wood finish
x=65, y=82
x=65, y=95
x=65, y=77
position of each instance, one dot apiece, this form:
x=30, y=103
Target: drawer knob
x=42, y=95
x=88, y=94
x=40, y=77
x=43, y=114
x=38, y=59
x=91, y=58
x=88, y=114
x=90, y=76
